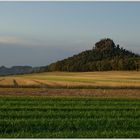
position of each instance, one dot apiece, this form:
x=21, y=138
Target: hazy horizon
x=39, y=33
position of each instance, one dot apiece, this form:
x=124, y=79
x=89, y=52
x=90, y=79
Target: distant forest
x=104, y=56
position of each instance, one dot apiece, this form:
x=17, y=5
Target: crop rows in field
x=69, y=117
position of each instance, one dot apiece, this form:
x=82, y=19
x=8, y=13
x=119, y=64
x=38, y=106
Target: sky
x=39, y=33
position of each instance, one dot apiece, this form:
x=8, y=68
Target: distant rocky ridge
x=17, y=70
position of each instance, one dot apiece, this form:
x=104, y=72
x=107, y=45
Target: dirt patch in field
x=96, y=92
x=135, y=93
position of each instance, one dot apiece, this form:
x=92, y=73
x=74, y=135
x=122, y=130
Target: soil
x=135, y=93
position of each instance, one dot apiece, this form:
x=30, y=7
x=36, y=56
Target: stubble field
x=110, y=79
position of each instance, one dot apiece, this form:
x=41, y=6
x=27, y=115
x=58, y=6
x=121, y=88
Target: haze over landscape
x=39, y=33
x=69, y=69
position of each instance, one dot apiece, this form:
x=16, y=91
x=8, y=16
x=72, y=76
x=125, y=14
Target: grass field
x=78, y=79
x=69, y=117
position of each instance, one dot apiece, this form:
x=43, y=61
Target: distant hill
x=19, y=70
x=104, y=56
x=15, y=70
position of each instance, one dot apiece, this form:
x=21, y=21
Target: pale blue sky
x=38, y=33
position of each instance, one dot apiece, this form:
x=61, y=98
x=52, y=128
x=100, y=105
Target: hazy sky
x=38, y=33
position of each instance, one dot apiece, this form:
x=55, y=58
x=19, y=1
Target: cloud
x=10, y=40
x=14, y=40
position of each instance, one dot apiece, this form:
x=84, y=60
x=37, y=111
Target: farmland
x=112, y=79
x=70, y=105
x=69, y=117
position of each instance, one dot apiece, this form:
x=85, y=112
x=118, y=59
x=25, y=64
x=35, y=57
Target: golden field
x=75, y=79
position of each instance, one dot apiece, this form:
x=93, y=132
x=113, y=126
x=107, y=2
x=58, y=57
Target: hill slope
x=104, y=56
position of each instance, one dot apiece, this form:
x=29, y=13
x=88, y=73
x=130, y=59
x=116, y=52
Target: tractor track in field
x=2, y=79
x=41, y=84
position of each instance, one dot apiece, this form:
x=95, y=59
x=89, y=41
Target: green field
x=69, y=117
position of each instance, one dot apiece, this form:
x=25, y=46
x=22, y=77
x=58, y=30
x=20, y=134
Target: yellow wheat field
x=73, y=79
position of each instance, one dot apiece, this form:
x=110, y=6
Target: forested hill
x=103, y=57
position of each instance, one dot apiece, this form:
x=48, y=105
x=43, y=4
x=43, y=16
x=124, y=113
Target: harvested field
x=111, y=79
